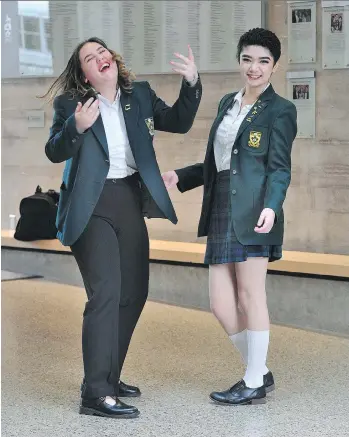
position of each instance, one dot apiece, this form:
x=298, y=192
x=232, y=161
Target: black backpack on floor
x=38, y=216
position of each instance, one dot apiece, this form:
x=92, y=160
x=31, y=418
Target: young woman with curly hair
x=103, y=128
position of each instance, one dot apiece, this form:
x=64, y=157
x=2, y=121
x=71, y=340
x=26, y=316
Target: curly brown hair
x=71, y=81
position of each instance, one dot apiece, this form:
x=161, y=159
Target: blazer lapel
x=97, y=127
x=98, y=130
x=256, y=109
x=130, y=109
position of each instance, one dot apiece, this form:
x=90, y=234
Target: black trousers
x=113, y=258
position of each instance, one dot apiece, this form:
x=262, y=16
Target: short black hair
x=260, y=37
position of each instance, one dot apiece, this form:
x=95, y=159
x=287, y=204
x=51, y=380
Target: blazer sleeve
x=193, y=176
x=64, y=141
x=190, y=177
x=283, y=133
x=178, y=118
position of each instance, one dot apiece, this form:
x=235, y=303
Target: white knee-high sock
x=239, y=340
x=258, y=342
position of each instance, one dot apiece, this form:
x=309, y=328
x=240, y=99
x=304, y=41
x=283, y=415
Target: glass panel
x=32, y=42
x=31, y=24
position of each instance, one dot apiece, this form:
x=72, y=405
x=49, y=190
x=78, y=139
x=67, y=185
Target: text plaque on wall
x=335, y=34
x=145, y=32
x=301, y=91
x=302, y=31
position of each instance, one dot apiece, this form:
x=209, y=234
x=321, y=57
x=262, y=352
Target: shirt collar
x=106, y=101
x=239, y=95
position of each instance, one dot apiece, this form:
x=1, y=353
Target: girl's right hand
x=170, y=179
x=86, y=115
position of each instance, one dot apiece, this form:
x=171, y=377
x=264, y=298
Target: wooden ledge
x=292, y=262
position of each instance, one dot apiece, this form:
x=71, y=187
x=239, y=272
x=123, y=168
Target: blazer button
x=235, y=151
x=107, y=160
x=234, y=171
x=233, y=192
x=73, y=140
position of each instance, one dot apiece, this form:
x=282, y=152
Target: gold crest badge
x=150, y=125
x=255, y=139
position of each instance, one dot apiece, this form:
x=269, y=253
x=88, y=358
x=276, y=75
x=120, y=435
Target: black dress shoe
x=99, y=407
x=239, y=394
x=128, y=391
x=268, y=381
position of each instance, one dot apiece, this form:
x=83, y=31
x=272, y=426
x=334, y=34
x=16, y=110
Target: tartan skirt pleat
x=222, y=244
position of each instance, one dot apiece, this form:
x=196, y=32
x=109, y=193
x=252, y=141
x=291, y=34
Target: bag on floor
x=38, y=216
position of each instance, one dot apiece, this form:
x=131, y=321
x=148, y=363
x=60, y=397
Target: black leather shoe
x=125, y=390
x=128, y=391
x=239, y=394
x=99, y=407
x=268, y=381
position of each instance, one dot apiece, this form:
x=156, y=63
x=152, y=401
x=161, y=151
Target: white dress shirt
x=227, y=131
x=122, y=162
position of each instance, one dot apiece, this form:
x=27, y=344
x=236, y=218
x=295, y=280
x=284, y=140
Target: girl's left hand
x=188, y=70
x=266, y=221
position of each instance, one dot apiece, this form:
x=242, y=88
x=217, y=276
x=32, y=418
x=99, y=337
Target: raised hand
x=188, y=68
x=170, y=179
x=86, y=115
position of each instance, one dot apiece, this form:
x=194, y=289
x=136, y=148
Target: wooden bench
x=318, y=264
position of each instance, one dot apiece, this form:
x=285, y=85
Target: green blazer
x=260, y=168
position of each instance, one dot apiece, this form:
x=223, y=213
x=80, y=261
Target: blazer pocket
x=255, y=140
x=149, y=207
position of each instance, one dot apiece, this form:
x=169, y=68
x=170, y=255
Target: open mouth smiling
x=104, y=67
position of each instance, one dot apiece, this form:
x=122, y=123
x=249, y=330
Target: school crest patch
x=255, y=139
x=150, y=125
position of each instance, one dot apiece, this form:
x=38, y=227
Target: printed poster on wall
x=302, y=31
x=301, y=91
x=335, y=34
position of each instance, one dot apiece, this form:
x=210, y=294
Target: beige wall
x=317, y=205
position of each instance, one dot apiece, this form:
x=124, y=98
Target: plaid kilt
x=222, y=245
